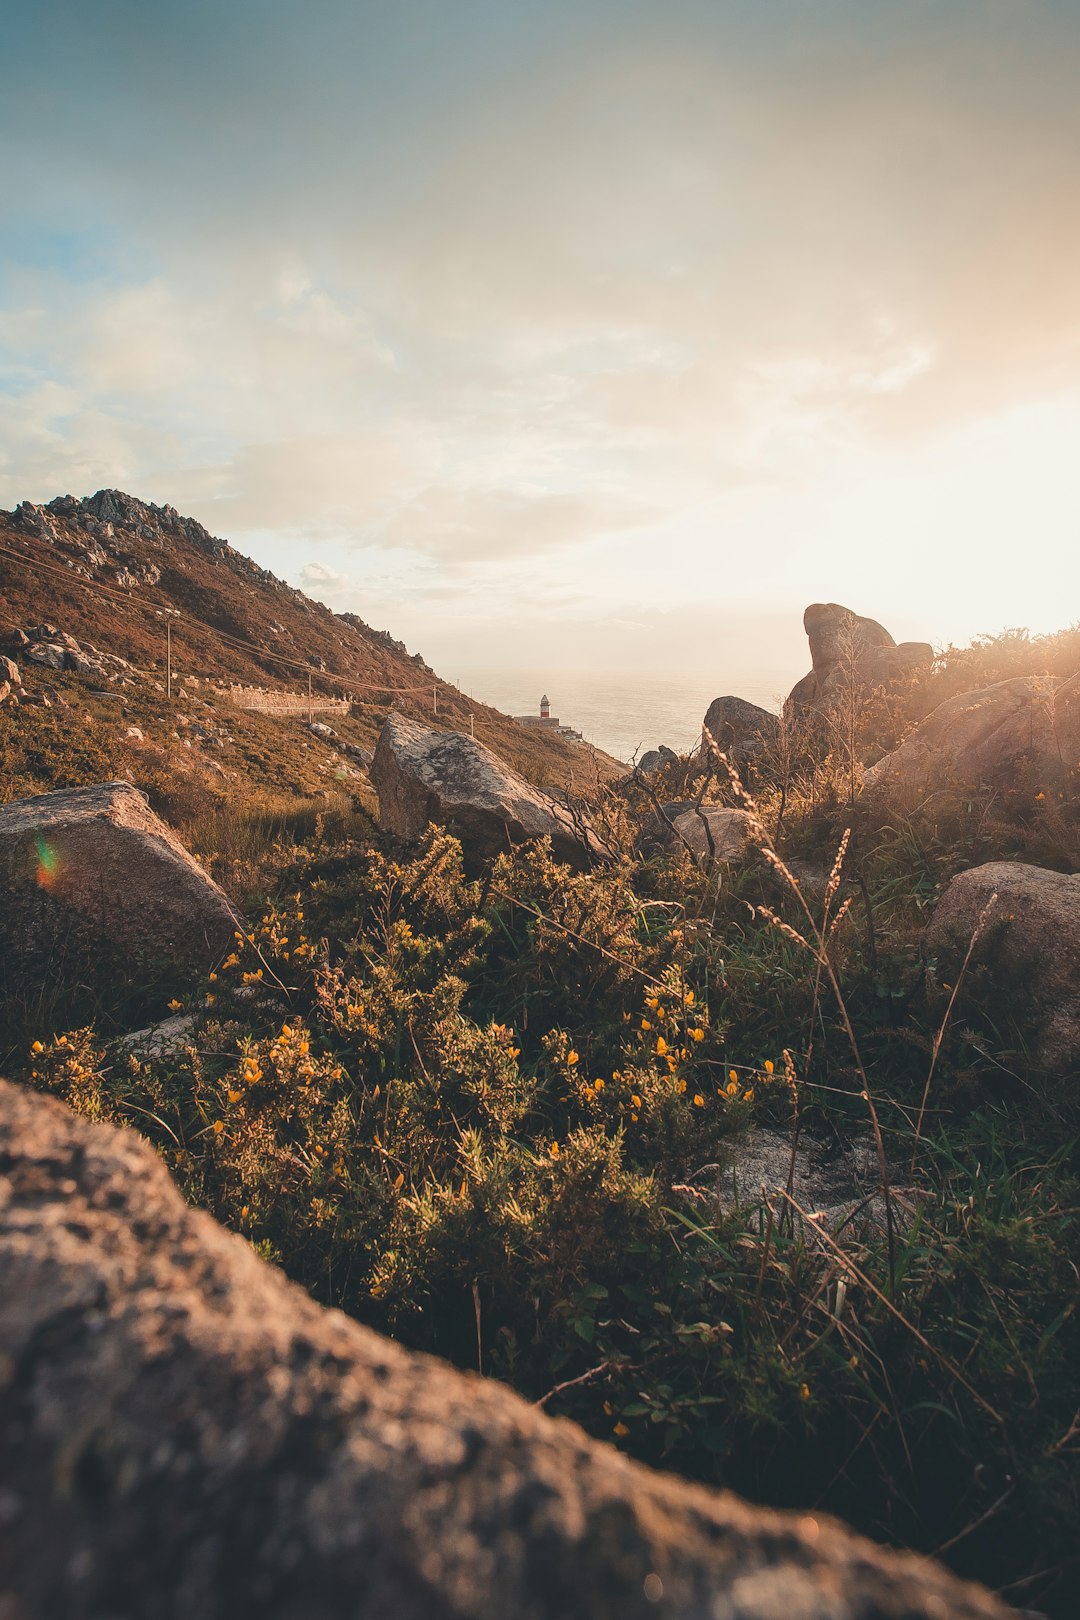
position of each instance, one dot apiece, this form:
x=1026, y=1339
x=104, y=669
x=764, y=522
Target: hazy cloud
x=688, y=303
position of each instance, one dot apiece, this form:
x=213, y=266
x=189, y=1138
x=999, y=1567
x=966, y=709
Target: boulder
x=708, y=831
x=9, y=671
x=712, y=833
x=1027, y=727
x=739, y=729
x=843, y=643
x=48, y=654
x=94, y=864
x=1025, y=966
x=650, y=761
x=424, y=776
x=187, y=1435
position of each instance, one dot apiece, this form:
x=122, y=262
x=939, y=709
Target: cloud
x=639, y=297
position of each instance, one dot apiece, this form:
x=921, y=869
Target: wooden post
x=434, y=700
x=309, y=708
x=168, y=656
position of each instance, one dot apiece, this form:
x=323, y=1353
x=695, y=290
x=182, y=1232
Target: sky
x=596, y=334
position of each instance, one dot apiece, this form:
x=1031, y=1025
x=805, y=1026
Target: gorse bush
x=491, y=1117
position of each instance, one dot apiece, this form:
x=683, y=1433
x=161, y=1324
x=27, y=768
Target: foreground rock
x=187, y=1436
x=741, y=730
x=1028, y=727
x=844, y=646
x=1025, y=967
x=424, y=776
x=95, y=864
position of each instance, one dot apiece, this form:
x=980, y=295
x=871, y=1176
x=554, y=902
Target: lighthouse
x=545, y=707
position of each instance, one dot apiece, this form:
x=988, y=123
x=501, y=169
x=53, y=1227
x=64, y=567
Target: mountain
x=112, y=570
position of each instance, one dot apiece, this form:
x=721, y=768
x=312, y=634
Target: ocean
x=622, y=713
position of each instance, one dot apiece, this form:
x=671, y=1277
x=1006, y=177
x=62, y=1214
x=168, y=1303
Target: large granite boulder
x=1025, y=966
x=95, y=865
x=1027, y=727
x=741, y=730
x=424, y=776
x=844, y=646
x=187, y=1436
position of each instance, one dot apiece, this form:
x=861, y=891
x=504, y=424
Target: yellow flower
x=554, y=1150
x=747, y=1095
x=652, y=1001
x=235, y=1096
x=218, y=1127
x=645, y=1024
x=661, y=1045
x=598, y=1085
x=769, y=1066
x=635, y=1101
x=174, y=1005
x=731, y=1074
x=620, y=1429
x=804, y=1392
x=210, y=1000
x=37, y=1047
x=571, y=1058
x=513, y=1051
x=697, y=1034
x=689, y=998
x=699, y=1101
x=733, y=1088
x=660, y=1012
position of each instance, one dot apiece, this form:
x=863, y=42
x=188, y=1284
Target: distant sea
x=623, y=714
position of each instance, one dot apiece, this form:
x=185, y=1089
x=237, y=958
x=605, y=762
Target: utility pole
x=309, y=708
x=168, y=657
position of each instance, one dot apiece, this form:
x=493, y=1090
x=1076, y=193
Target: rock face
x=96, y=864
x=1026, y=962
x=842, y=642
x=987, y=737
x=424, y=776
x=187, y=1436
x=739, y=729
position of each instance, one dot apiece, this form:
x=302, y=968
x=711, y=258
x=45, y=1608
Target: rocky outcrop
x=187, y=1436
x=739, y=729
x=1028, y=727
x=94, y=864
x=46, y=647
x=424, y=776
x=845, y=646
x=1025, y=965
x=655, y=758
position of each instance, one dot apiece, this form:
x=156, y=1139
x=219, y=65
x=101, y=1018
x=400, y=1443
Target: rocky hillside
x=106, y=569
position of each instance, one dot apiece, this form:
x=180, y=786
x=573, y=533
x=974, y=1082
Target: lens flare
x=48, y=868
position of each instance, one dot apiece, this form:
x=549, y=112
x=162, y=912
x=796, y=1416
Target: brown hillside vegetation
x=107, y=567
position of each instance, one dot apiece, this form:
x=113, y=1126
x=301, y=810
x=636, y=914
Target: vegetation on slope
x=491, y=1117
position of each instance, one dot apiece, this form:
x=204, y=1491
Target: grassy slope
x=222, y=591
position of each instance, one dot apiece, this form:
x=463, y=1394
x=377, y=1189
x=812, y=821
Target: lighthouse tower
x=545, y=707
